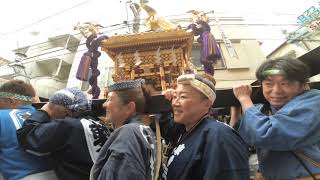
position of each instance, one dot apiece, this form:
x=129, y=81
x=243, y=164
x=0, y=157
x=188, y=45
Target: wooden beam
x=158, y=104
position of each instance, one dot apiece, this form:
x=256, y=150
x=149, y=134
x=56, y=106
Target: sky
x=27, y=22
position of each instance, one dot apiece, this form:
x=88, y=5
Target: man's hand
x=243, y=93
x=168, y=94
x=55, y=111
x=35, y=99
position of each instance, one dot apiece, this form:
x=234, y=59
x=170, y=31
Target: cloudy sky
x=27, y=22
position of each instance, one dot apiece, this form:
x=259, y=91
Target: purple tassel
x=210, y=50
x=90, y=60
x=206, y=52
x=84, y=67
x=94, y=66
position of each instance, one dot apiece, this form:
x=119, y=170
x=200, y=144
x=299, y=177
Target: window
x=195, y=58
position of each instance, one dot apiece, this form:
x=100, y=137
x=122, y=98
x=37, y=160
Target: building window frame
x=195, y=58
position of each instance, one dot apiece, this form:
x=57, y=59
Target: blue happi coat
x=15, y=162
x=294, y=127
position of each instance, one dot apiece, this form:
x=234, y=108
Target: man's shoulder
x=4, y=114
x=312, y=93
x=4, y=111
x=308, y=99
x=216, y=125
x=220, y=129
x=123, y=137
x=132, y=131
x=19, y=109
x=20, y=112
x=70, y=122
x=80, y=119
x=131, y=127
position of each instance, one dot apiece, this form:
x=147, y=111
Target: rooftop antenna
x=17, y=66
x=127, y=14
x=136, y=10
x=19, y=55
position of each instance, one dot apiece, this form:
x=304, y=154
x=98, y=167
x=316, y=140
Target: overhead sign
x=315, y=25
x=310, y=18
x=309, y=15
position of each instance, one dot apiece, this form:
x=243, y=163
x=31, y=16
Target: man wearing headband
x=206, y=149
x=130, y=152
x=15, y=163
x=66, y=129
x=285, y=131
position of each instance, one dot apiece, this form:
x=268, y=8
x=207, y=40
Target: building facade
x=304, y=42
x=52, y=65
x=45, y=65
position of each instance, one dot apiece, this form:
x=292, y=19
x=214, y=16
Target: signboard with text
x=310, y=18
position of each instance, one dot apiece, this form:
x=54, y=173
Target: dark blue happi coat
x=212, y=151
x=129, y=154
x=73, y=143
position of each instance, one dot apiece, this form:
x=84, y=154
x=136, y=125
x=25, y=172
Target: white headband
x=199, y=85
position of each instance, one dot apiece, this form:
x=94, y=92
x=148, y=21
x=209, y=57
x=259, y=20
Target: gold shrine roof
x=148, y=39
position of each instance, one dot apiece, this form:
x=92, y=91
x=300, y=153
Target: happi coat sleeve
x=43, y=135
x=294, y=126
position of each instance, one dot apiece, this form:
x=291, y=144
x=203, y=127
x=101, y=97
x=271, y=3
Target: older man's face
x=188, y=105
x=278, y=90
x=115, y=109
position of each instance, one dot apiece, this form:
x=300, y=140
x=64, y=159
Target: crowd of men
x=66, y=140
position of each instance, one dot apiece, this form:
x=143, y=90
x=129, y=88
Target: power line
x=45, y=18
x=62, y=50
x=172, y=19
x=75, y=34
x=80, y=4
x=63, y=54
x=211, y=24
x=80, y=44
x=124, y=26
